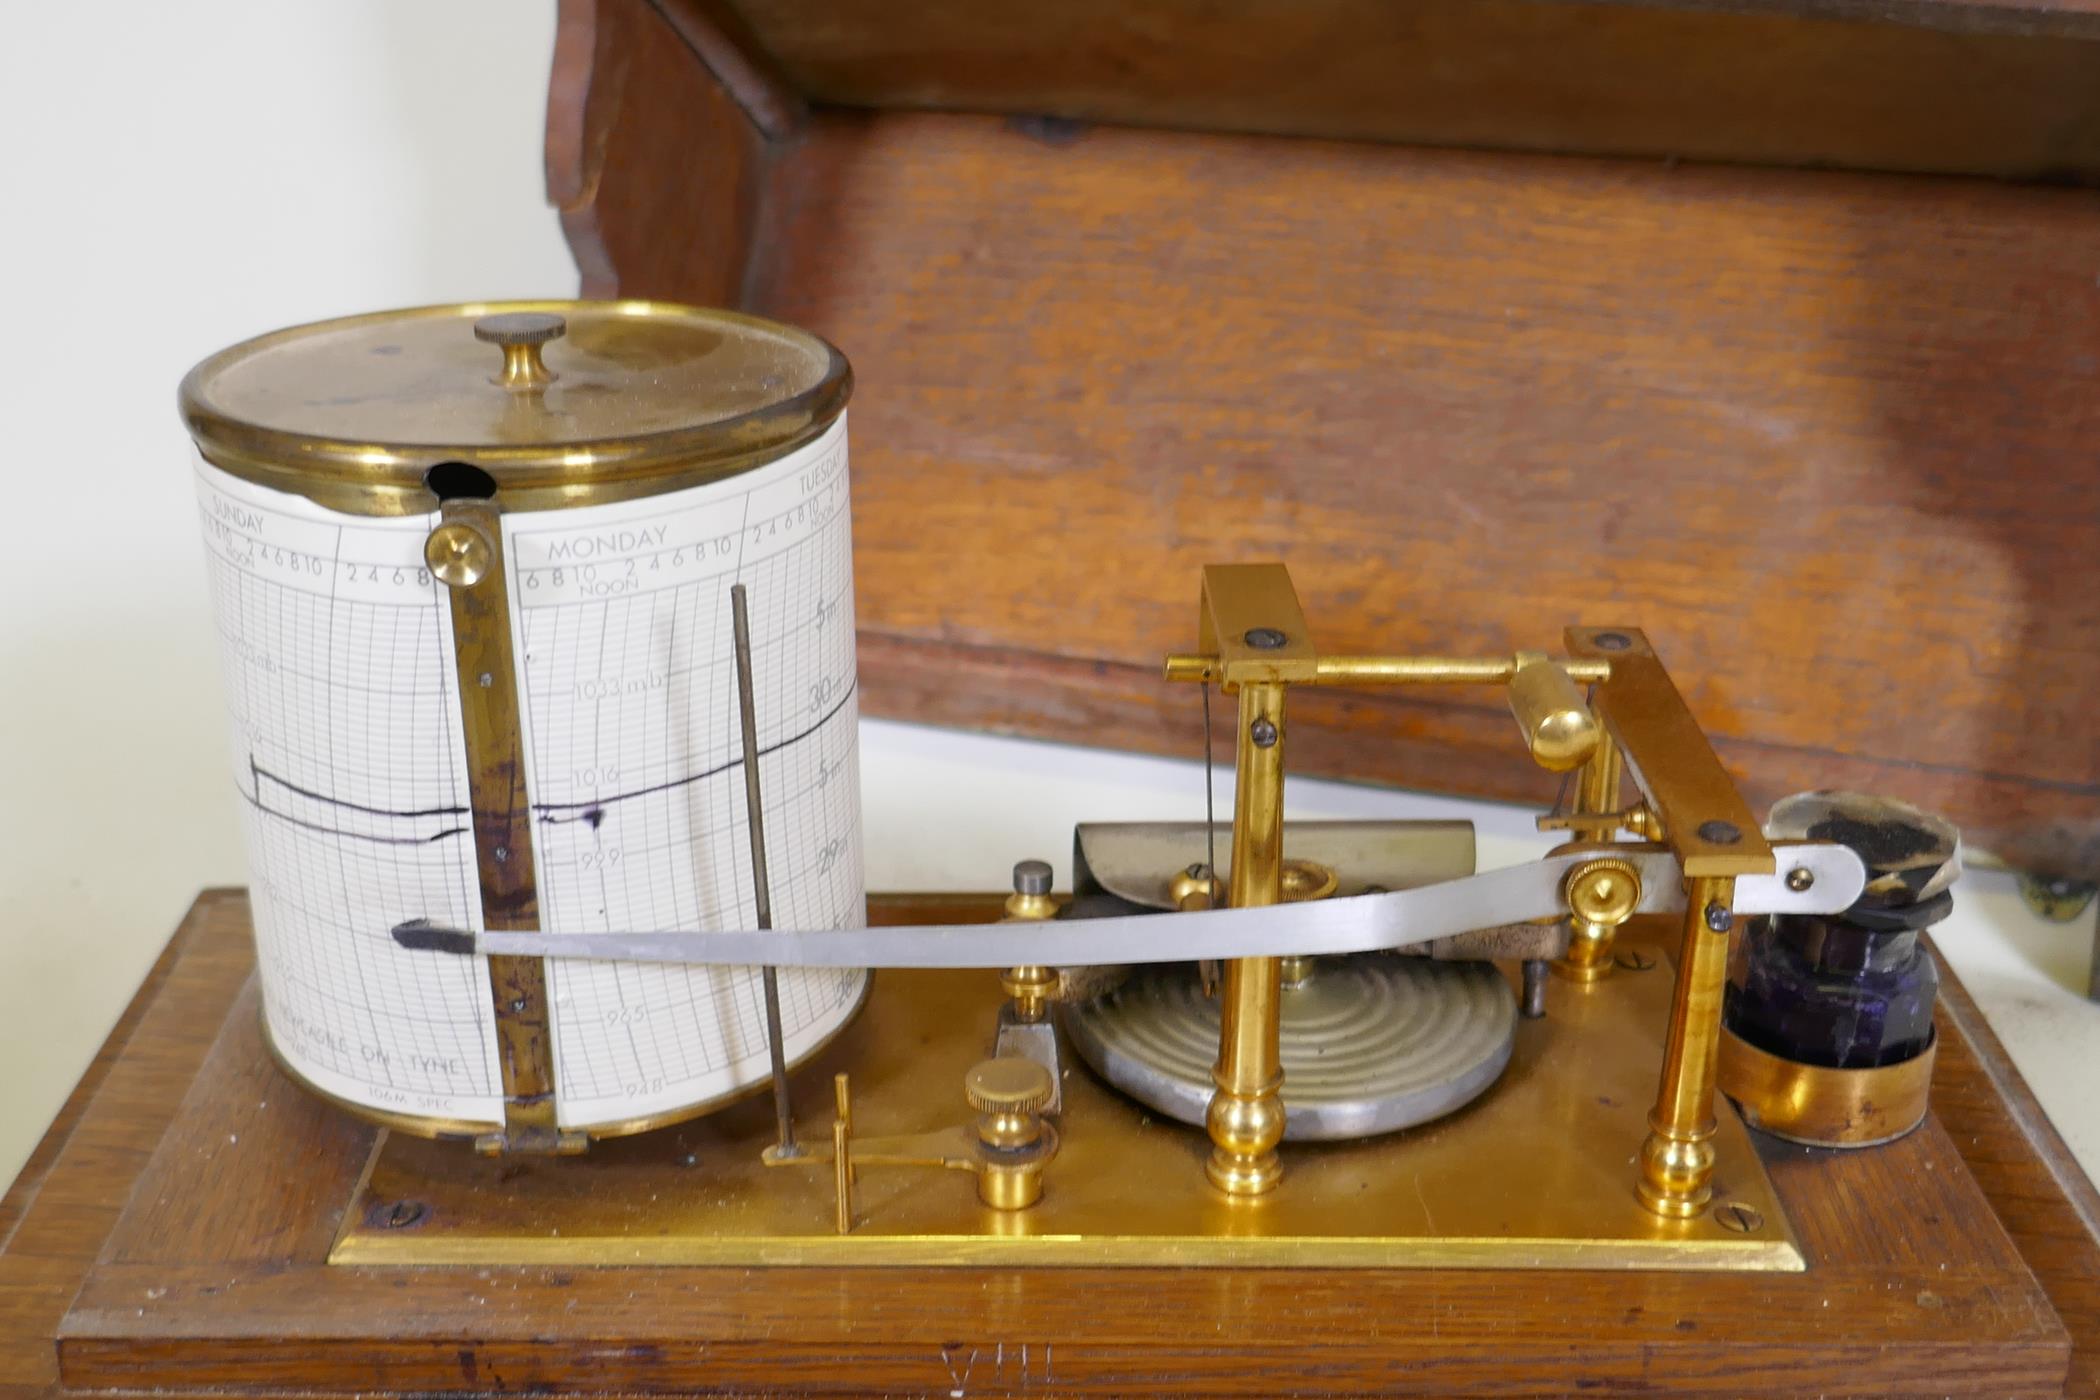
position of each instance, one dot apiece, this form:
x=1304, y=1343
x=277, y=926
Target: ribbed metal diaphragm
x=1370, y=1044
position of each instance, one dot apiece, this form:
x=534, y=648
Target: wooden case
x=1133, y=288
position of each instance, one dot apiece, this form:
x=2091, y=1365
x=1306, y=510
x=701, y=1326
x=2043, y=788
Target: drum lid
x=560, y=402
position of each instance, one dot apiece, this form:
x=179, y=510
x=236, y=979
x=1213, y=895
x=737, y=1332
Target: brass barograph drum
x=472, y=569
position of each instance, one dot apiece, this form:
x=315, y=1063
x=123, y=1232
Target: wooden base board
x=1913, y=1284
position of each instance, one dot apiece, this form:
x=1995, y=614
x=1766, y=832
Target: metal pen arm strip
x=1822, y=878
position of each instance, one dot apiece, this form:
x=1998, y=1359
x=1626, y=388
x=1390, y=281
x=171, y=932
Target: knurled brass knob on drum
x=521, y=334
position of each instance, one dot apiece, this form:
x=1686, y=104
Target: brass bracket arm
x=1251, y=630
x=1373, y=671
x=1705, y=821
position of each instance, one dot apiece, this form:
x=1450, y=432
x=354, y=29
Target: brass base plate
x=1537, y=1173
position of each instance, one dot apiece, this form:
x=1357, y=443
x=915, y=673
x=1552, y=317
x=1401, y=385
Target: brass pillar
x=1246, y=1113
x=1677, y=1160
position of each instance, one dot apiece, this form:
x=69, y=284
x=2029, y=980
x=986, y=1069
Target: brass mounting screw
x=1742, y=1219
x=403, y=1214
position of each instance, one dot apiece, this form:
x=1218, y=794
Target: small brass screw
x=1263, y=733
x=458, y=554
x=1719, y=917
x=1633, y=959
x=1742, y=1219
x=1800, y=878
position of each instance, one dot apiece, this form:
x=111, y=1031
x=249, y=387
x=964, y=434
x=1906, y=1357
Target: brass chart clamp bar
x=465, y=553
x=1253, y=641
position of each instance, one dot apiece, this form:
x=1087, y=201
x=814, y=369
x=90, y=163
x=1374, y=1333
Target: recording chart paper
x=633, y=759
x=347, y=751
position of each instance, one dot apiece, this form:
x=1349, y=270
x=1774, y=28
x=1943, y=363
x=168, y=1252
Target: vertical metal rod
x=1213, y=892
x=842, y=1153
x=1210, y=803
x=762, y=894
x=1533, y=1005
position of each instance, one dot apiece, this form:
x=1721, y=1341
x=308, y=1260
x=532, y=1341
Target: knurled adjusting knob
x=1014, y=1140
x=1008, y=1085
x=521, y=334
x=1603, y=891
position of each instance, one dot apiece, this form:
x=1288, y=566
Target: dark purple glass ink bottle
x=1852, y=990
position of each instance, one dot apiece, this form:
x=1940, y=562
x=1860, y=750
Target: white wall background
x=181, y=176
x=188, y=174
